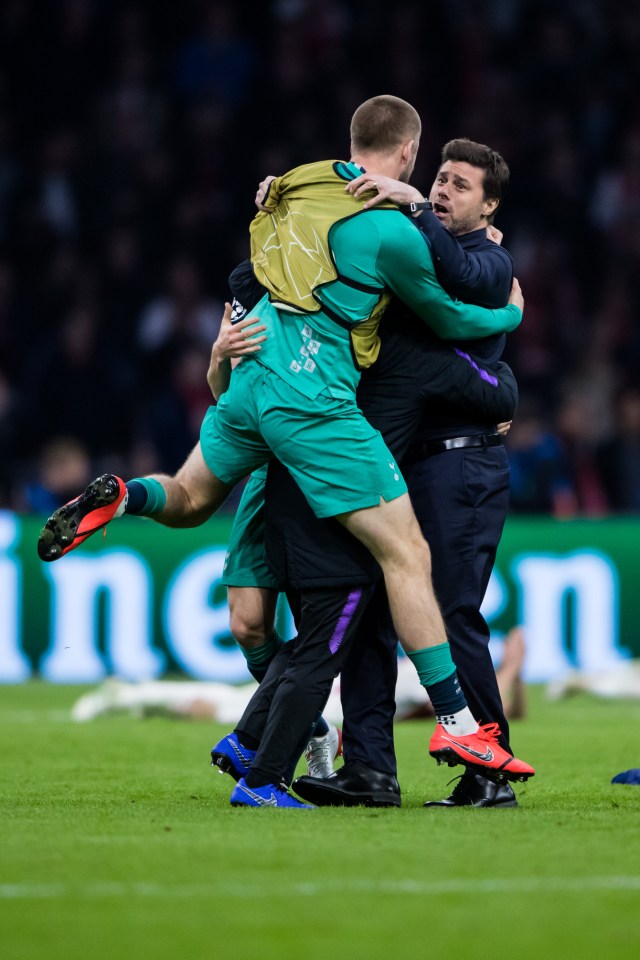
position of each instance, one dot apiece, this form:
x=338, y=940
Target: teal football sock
x=433, y=664
x=258, y=658
x=141, y=505
x=437, y=673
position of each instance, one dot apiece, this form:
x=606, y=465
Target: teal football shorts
x=335, y=456
x=245, y=564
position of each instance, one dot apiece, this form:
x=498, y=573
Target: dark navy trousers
x=284, y=709
x=460, y=498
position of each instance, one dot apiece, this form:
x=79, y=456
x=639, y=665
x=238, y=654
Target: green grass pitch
x=117, y=841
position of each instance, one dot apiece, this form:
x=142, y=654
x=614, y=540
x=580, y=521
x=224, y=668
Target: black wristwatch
x=413, y=208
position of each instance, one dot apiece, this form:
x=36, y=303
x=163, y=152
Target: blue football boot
x=269, y=796
x=229, y=756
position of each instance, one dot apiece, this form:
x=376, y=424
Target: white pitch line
x=114, y=890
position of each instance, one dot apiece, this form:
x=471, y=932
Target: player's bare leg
x=509, y=674
x=392, y=534
x=185, y=500
x=252, y=612
x=192, y=495
x=252, y=615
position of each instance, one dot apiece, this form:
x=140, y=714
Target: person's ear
x=490, y=206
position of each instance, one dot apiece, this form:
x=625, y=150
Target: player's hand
x=494, y=234
x=237, y=339
x=516, y=295
x=234, y=341
x=263, y=192
x=503, y=428
x=386, y=189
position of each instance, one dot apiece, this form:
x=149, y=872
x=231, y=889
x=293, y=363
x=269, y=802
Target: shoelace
x=320, y=756
x=320, y=752
x=489, y=732
x=459, y=789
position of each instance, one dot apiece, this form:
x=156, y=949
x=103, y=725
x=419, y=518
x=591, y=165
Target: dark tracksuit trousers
x=283, y=712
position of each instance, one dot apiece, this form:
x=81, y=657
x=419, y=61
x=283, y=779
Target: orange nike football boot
x=71, y=524
x=479, y=751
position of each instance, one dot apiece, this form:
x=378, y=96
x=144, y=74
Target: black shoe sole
x=224, y=765
x=441, y=804
x=323, y=795
x=450, y=757
x=61, y=528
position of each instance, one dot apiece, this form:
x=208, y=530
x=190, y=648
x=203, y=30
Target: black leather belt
x=431, y=447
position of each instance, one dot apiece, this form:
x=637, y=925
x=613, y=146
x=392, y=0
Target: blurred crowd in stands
x=132, y=137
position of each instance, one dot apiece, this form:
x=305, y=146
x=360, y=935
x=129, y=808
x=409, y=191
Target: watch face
x=424, y=205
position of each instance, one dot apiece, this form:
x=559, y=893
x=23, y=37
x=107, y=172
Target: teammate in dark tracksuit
x=321, y=565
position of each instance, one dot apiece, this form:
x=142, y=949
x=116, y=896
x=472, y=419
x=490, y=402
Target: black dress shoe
x=474, y=790
x=353, y=785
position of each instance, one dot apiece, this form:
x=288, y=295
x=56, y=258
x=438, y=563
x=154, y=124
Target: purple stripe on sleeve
x=344, y=620
x=483, y=373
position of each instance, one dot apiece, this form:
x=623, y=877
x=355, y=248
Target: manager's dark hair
x=496, y=171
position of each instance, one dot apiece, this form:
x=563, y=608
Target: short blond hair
x=382, y=123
